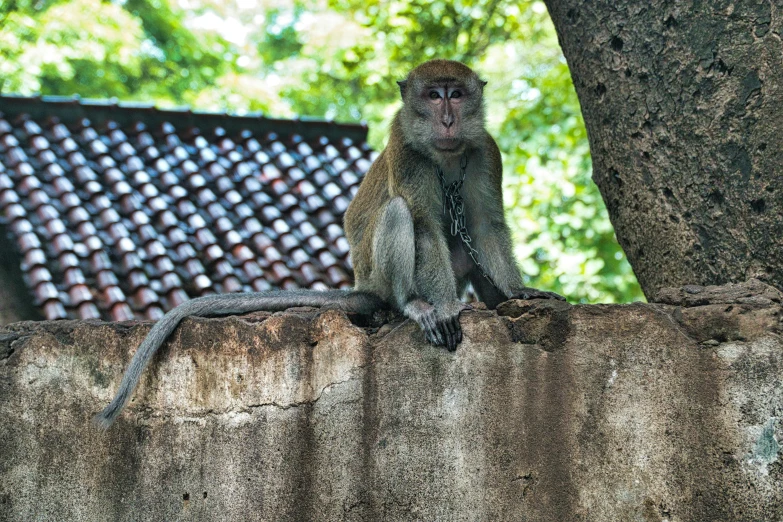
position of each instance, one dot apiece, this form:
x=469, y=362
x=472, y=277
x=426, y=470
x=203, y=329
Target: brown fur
x=406, y=169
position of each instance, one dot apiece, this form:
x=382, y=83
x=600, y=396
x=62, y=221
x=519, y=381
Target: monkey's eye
x=456, y=94
x=434, y=95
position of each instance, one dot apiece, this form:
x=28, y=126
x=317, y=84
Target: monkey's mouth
x=447, y=144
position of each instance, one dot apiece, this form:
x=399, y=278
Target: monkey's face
x=443, y=108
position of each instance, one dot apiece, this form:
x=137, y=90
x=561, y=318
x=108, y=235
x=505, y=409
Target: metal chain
x=452, y=201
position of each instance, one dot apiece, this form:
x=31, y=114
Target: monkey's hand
x=440, y=325
x=532, y=293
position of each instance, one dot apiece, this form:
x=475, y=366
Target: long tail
x=227, y=304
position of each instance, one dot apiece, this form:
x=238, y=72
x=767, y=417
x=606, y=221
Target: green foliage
x=177, y=63
x=139, y=49
x=338, y=59
x=280, y=39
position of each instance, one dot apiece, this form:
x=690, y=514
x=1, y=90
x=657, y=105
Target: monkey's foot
x=440, y=327
x=532, y=293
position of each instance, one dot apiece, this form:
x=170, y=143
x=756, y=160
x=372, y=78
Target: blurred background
x=338, y=59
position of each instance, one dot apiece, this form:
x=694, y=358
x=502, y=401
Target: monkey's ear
x=402, y=84
x=483, y=83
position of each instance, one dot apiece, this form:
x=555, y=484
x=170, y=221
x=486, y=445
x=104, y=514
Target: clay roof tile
x=127, y=213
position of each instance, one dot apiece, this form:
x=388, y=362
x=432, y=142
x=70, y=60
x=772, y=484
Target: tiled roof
x=121, y=211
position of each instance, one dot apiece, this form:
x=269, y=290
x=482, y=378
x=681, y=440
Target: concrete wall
x=546, y=412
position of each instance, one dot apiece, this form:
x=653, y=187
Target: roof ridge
x=73, y=108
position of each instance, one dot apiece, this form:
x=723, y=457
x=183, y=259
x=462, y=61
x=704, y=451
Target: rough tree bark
x=683, y=104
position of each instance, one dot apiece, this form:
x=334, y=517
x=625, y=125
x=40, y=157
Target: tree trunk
x=683, y=104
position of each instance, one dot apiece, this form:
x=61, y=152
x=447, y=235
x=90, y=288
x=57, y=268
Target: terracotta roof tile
x=124, y=212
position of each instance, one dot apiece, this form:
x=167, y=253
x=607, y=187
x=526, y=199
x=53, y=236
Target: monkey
x=426, y=221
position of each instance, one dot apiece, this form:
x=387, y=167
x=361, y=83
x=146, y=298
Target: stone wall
x=546, y=412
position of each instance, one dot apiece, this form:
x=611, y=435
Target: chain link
x=453, y=203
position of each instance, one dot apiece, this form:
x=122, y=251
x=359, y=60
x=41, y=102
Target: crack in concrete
x=656, y=308
x=148, y=413
x=348, y=509
x=296, y=404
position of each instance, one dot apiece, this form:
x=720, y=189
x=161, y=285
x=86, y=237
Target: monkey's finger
x=451, y=325
x=426, y=326
x=452, y=342
x=430, y=335
x=441, y=333
x=447, y=327
x=457, y=338
x=433, y=331
x=442, y=336
x=458, y=330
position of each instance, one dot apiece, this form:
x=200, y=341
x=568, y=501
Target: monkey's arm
x=492, y=238
x=493, y=242
x=227, y=304
x=436, y=287
x=433, y=302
